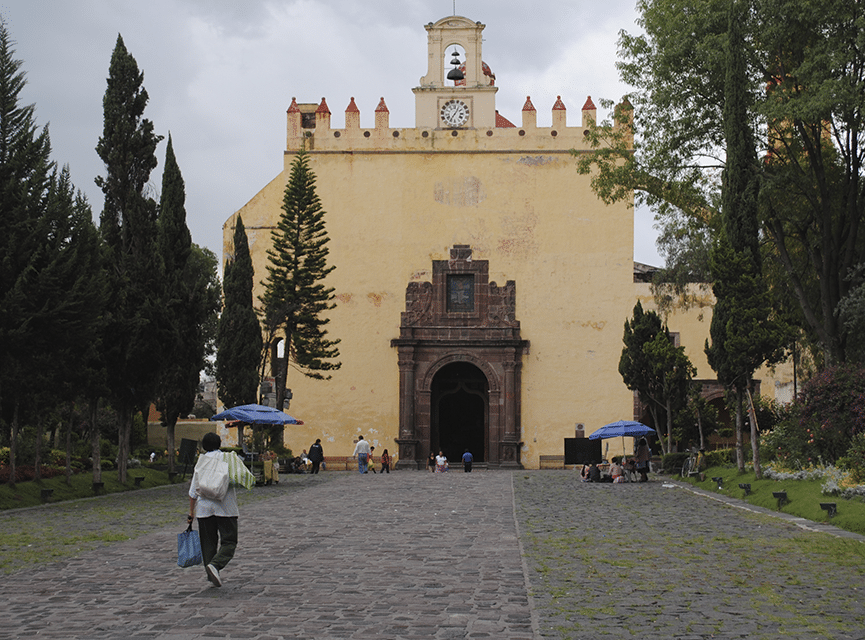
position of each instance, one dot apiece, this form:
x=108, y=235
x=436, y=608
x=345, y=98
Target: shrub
x=833, y=410
x=672, y=463
x=855, y=458
x=720, y=457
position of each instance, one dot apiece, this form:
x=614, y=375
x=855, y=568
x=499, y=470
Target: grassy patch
x=29, y=494
x=803, y=497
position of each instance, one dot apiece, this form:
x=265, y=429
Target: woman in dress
x=441, y=463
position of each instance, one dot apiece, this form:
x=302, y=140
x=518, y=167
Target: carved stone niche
x=460, y=317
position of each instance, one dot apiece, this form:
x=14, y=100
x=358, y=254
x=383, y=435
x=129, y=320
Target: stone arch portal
x=460, y=358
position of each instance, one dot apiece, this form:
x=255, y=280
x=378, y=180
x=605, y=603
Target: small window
x=461, y=293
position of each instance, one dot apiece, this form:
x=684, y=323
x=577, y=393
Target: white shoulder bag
x=213, y=478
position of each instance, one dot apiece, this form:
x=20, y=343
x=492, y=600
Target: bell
x=455, y=73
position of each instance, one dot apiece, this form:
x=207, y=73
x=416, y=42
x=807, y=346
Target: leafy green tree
x=296, y=299
x=239, y=343
x=190, y=299
x=811, y=201
x=656, y=369
x=672, y=372
x=135, y=314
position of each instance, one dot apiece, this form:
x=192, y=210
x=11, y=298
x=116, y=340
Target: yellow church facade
x=481, y=287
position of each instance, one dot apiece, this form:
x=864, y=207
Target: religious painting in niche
x=461, y=293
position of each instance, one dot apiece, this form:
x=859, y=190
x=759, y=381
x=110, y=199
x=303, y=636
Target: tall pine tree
x=295, y=299
x=128, y=226
x=190, y=296
x=239, y=340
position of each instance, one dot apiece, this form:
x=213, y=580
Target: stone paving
x=502, y=555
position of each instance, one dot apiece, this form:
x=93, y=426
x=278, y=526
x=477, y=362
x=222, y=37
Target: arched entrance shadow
x=460, y=398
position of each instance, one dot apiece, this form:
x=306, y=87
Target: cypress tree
x=128, y=226
x=191, y=295
x=239, y=340
x=743, y=336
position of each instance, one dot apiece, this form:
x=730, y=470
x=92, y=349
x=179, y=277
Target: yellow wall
x=693, y=324
x=395, y=203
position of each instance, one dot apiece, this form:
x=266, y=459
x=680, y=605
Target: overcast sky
x=221, y=73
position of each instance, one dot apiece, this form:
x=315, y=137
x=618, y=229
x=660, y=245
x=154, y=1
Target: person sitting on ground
x=594, y=473
x=584, y=473
x=616, y=471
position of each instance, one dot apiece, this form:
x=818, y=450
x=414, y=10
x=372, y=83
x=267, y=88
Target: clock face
x=454, y=113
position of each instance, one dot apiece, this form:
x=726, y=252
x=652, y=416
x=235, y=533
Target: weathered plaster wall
x=396, y=202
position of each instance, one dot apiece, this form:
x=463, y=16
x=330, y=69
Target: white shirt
x=362, y=446
x=205, y=507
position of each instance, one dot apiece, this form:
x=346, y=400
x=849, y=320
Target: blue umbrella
x=622, y=428
x=256, y=414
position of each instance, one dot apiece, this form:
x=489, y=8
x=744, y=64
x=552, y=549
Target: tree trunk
x=95, y=442
x=124, y=433
x=740, y=448
x=669, y=425
x=654, y=411
x=69, y=444
x=700, y=429
x=37, y=458
x=13, y=446
x=755, y=445
x=169, y=439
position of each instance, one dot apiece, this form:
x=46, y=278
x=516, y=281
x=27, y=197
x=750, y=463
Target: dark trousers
x=385, y=468
x=468, y=466
x=218, y=540
x=315, y=465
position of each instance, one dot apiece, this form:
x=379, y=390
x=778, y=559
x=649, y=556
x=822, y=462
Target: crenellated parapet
x=318, y=134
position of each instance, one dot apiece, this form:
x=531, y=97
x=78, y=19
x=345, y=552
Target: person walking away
x=643, y=454
x=467, y=461
x=361, y=450
x=316, y=455
x=385, y=462
x=217, y=519
x=371, y=466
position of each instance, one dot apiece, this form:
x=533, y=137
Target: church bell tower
x=455, y=94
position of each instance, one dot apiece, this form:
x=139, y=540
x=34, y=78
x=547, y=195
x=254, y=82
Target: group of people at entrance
x=439, y=463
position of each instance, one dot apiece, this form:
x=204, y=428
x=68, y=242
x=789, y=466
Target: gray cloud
x=221, y=73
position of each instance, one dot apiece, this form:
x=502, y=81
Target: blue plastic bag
x=188, y=548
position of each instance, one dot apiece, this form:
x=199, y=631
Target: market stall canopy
x=255, y=414
x=622, y=428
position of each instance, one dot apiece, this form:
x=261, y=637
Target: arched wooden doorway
x=460, y=403
x=460, y=352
